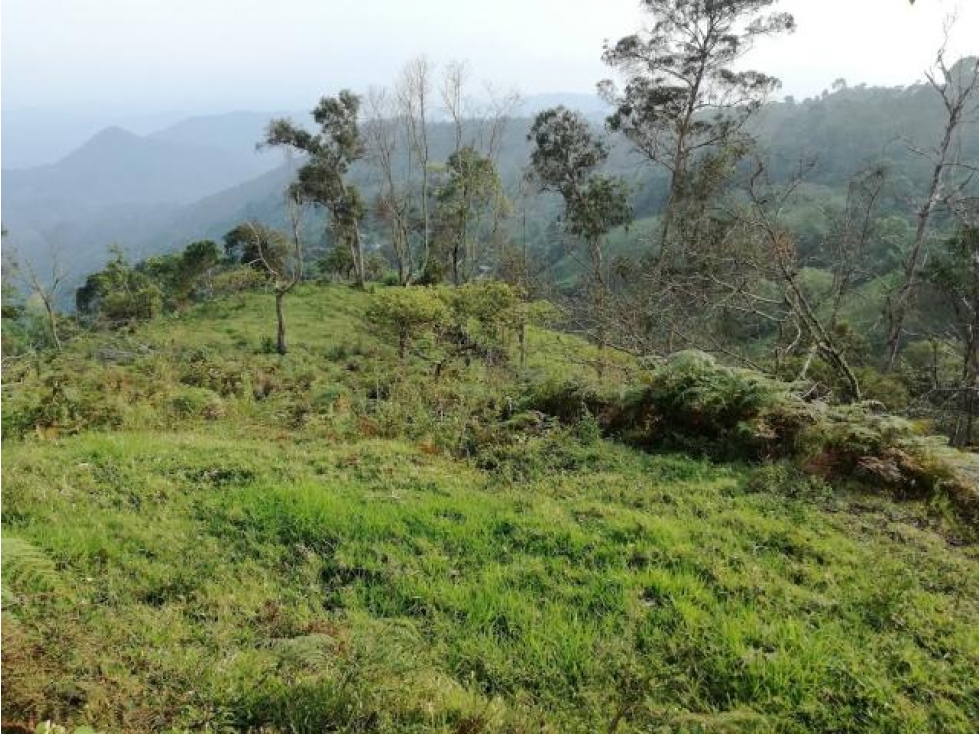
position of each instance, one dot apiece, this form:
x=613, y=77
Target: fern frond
x=25, y=568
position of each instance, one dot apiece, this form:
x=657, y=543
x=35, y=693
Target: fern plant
x=24, y=567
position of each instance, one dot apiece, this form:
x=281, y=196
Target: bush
x=407, y=313
x=236, y=280
x=571, y=400
x=225, y=379
x=487, y=302
x=61, y=407
x=196, y=402
x=517, y=456
x=694, y=404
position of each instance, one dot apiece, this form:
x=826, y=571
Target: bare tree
x=414, y=97
x=385, y=146
x=453, y=82
x=45, y=286
x=958, y=87
x=747, y=279
x=782, y=268
x=278, y=255
x=852, y=235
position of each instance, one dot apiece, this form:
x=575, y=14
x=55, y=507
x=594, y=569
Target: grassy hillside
x=202, y=536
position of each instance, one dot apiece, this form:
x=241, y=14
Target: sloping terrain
x=209, y=537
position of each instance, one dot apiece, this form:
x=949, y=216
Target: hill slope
x=119, y=188
x=335, y=540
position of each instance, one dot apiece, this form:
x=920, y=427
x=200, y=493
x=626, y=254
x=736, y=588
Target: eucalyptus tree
x=321, y=180
x=685, y=95
x=565, y=159
x=470, y=193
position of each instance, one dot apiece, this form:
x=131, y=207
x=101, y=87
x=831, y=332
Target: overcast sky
x=145, y=56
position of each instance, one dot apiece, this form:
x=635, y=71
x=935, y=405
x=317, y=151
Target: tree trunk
x=522, y=338
x=404, y=258
x=280, y=328
x=970, y=382
x=897, y=312
x=52, y=323
x=357, y=253
x=822, y=340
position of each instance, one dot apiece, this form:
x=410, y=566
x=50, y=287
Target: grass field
x=263, y=557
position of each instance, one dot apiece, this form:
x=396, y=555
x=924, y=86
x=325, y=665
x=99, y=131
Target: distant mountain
x=122, y=187
x=116, y=166
x=233, y=132
x=40, y=137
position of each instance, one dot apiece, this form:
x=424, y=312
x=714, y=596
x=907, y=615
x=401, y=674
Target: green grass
x=353, y=568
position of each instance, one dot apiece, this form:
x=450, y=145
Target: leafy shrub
x=119, y=294
x=694, y=404
x=224, y=378
x=589, y=430
x=407, y=313
x=61, y=407
x=196, y=402
x=489, y=302
x=328, y=398
x=520, y=457
x=237, y=280
x=571, y=400
x=884, y=389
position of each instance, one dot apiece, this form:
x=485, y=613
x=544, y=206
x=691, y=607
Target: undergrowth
x=203, y=536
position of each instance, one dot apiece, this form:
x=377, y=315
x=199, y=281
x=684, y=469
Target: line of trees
x=877, y=300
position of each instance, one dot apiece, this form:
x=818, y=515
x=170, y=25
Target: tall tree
x=471, y=191
x=329, y=154
x=565, y=159
x=180, y=274
x=958, y=88
x=387, y=150
x=683, y=96
x=414, y=92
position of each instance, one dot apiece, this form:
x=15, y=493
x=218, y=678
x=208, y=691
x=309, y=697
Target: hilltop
x=200, y=534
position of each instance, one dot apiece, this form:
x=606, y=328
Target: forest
x=659, y=420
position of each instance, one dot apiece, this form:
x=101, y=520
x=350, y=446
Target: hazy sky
x=140, y=56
